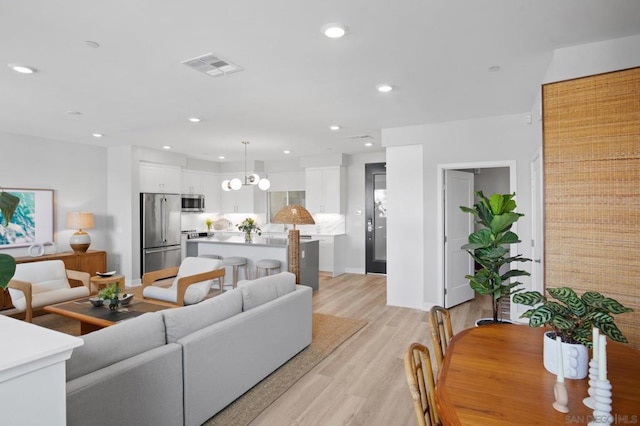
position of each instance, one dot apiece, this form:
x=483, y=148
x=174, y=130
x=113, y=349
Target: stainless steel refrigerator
x=160, y=231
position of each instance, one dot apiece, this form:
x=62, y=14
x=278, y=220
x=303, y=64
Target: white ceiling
x=295, y=83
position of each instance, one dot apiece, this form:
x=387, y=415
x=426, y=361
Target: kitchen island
x=226, y=245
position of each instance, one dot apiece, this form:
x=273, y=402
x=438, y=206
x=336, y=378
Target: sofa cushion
x=116, y=343
x=265, y=289
x=185, y=320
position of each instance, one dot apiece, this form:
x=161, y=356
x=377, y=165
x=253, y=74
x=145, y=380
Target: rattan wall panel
x=591, y=130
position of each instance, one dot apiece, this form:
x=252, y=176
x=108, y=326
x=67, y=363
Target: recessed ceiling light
x=221, y=157
x=22, y=69
x=384, y=88
x=494, y=68
x=286, y=151
x=334, y=127
x=368, y=144
x=97, y=135
x=166, y=147
x=91, y=43
x=194, y=119
x=334, y=30
x=74, y=113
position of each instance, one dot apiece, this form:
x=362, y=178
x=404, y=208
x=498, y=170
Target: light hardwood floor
x=363, y=381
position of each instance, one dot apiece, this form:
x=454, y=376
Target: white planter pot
x=575, y=358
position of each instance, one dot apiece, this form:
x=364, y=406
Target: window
x=279, y=199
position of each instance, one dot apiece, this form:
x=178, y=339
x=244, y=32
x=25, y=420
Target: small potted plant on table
x=572, y=318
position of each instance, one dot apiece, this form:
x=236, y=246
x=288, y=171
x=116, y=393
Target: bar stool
x=237, y=261
x=215, y=256
x=268, y=265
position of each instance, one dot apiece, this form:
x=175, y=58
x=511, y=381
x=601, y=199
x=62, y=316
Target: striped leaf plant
x=571, y=316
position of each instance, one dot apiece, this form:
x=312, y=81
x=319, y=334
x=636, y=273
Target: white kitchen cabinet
x=325, y=190
x=248, y=199
x=159, y=178
x=332, y=253
x=212, y=192
x=192, y=182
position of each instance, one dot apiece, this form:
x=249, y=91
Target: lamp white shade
x=80, y=240
x=236, y=184
x=264, y=184
x=226, y=185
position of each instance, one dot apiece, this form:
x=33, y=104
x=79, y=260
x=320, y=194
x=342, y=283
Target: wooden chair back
x=441, y=331
x=419, y=372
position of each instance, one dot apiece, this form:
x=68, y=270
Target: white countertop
x=267, y=241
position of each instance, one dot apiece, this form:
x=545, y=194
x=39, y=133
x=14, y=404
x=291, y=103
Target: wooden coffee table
x=94, y=318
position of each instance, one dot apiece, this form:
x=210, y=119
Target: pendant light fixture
x=252, y=179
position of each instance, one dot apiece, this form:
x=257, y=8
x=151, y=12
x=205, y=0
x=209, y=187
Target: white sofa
x=183, y=365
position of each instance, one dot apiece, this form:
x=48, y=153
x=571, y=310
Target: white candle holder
x=593, y=377
x=602, y=412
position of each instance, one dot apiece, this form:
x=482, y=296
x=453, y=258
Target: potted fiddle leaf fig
x=8, y=205
x=572, y=318
x=490, y=249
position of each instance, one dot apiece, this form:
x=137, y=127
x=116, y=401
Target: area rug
x=328, y=333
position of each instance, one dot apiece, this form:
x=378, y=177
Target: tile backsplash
x=325, y=223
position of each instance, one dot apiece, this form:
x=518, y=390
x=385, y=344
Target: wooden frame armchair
x=441, y=331
x=419, y=372
x=192, y=282
x=38, y=284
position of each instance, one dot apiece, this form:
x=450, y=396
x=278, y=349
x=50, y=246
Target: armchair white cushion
x=192, y=282
x=38, y=284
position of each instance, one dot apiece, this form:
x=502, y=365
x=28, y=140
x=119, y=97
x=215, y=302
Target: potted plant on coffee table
x=490, y=248
x=571, y=317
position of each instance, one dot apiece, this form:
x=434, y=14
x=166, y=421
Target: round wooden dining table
x=494, y=375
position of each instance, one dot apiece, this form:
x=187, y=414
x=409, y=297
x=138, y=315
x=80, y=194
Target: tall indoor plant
x=490, y=248
x=8, y=205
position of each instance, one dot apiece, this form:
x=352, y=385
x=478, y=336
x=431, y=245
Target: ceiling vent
x=360, y=137
x=211, y=65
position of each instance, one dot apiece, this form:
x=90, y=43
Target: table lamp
x=80, y=240
x=296, y=215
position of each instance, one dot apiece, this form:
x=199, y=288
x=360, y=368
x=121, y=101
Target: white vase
x=575, y=357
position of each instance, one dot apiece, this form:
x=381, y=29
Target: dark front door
x=376, y=217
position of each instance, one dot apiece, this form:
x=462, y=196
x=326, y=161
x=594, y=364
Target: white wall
x=491, y=139
x=77, y=173
x=494, y=139
x=406, y=225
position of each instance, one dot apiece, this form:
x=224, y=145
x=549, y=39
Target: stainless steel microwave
x=192, y=203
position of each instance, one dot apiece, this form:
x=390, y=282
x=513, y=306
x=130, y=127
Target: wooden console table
x=91, y=262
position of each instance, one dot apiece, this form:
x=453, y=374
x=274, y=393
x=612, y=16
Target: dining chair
x=441, y=331
x=417, y=366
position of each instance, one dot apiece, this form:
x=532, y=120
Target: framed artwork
x=32, y=221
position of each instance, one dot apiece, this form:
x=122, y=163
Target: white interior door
x=457, y=225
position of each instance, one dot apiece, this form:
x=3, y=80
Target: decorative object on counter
x=248, y=226
x=208, y=221
x=222, y=224
x=590, y=401
x=602, y=392
x=111, y=293
x=572, y=320
x=80, y=240
x=252, y=179
x=296, y=215
x=560, y=389
x=490, y=249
